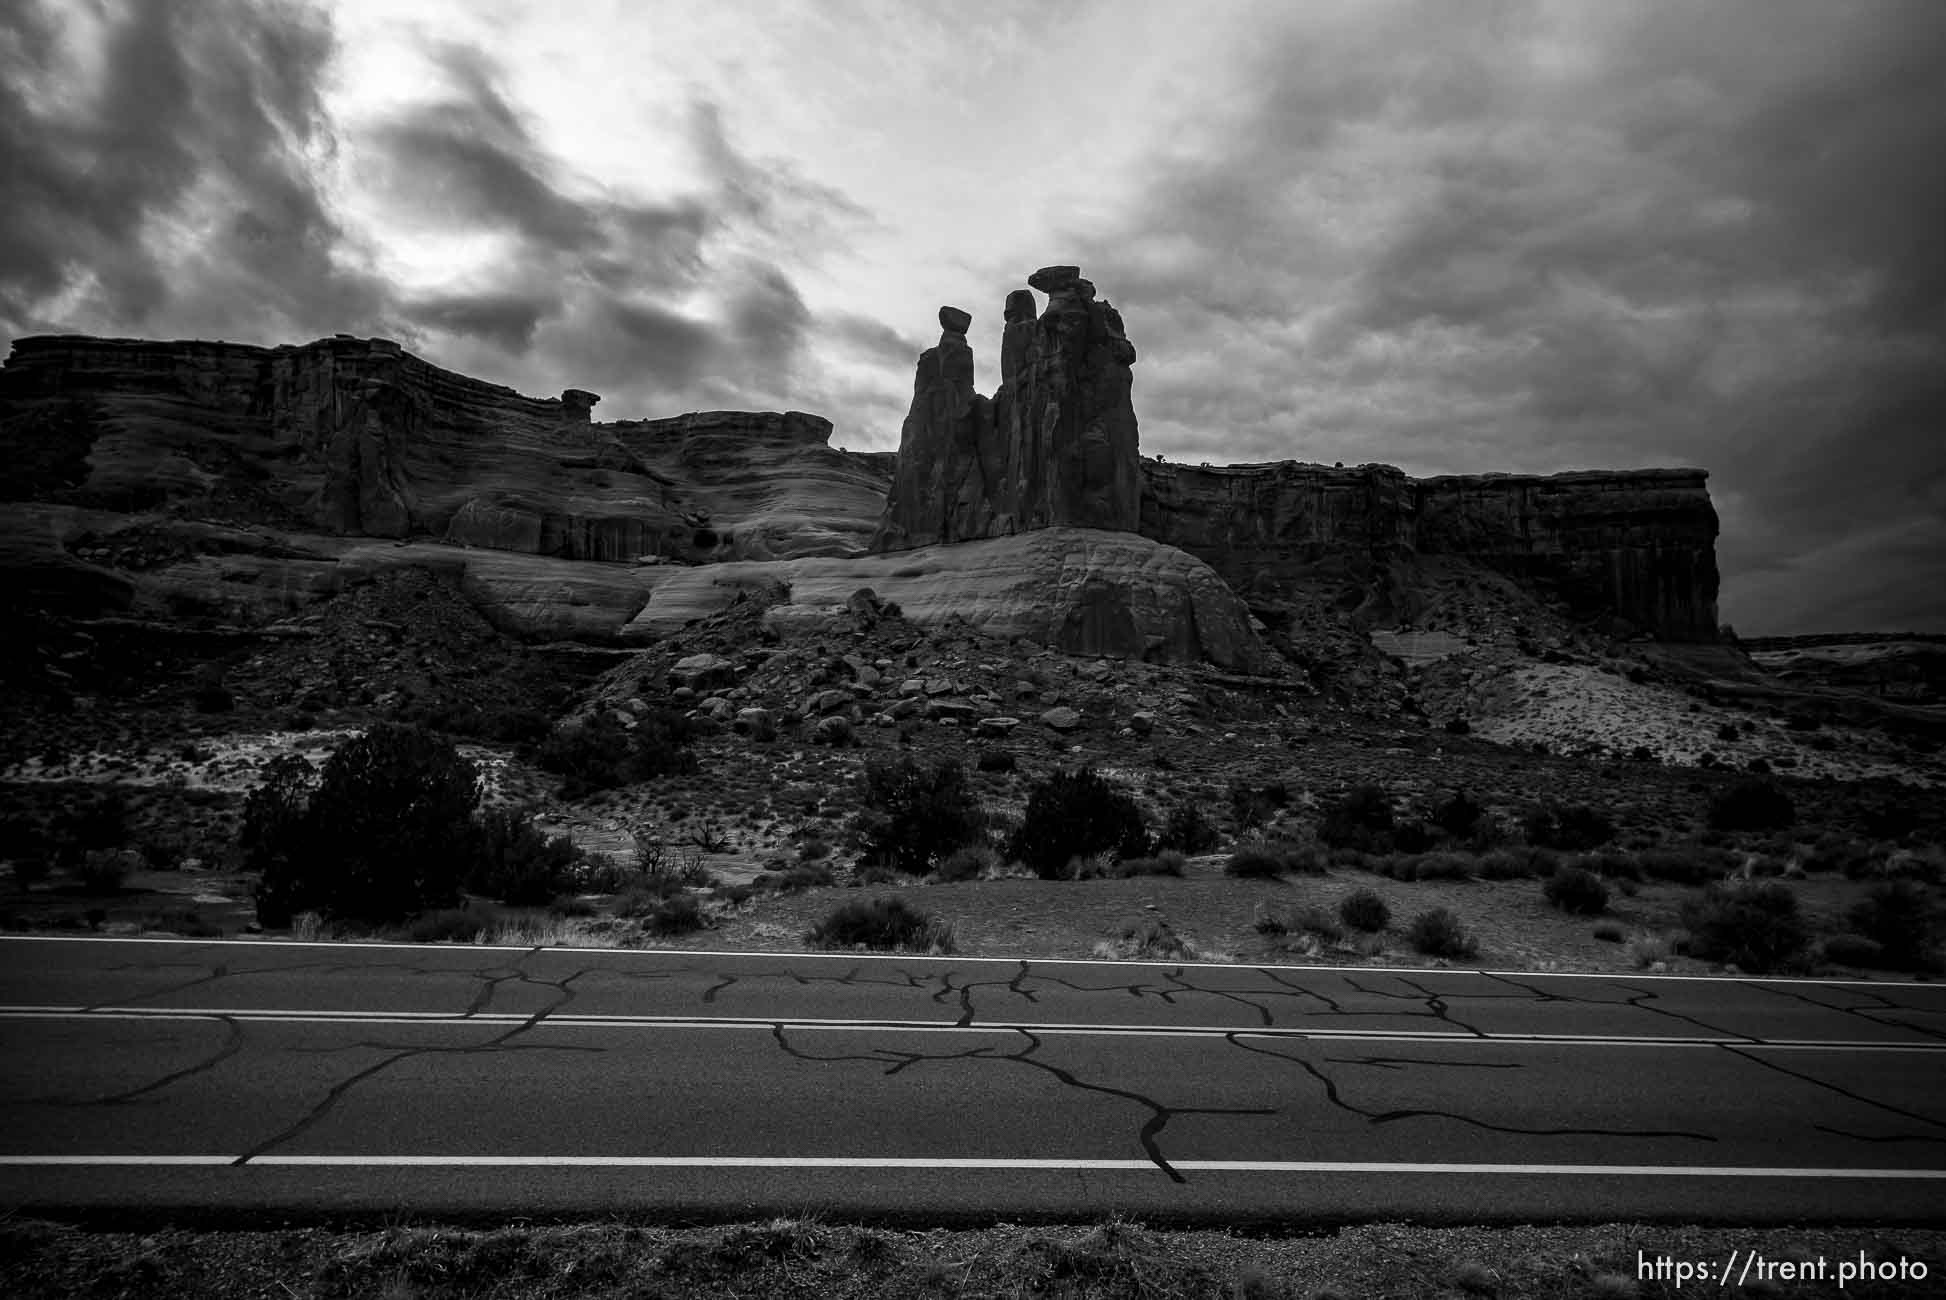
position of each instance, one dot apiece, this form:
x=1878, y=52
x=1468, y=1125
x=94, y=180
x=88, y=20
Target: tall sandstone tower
x=1055, y=445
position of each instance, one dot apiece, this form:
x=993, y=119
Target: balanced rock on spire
x=1055, y=445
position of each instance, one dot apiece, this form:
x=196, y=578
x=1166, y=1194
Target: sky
x=1457, y=236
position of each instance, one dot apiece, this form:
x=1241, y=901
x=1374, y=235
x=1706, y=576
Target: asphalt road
x=281, y=1081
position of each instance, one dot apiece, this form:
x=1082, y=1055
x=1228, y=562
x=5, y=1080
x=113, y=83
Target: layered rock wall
x=1637, y=544
x=355, y=437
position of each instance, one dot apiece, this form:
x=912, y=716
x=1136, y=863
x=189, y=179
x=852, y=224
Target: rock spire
x=1056, y=445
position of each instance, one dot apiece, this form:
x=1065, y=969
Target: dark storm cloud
x=768, y=192
x=768, y=313
x=638, y=297
x=506, y=319
x=871, y=338
x=1531, y=237
x=175, y=184
x=471, y=161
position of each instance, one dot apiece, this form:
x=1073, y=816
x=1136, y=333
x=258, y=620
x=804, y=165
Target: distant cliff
x=356, y=437
x=333, y=443
x=1635, y=544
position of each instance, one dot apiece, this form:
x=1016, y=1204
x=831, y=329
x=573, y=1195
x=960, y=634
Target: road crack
x=1375, y=1117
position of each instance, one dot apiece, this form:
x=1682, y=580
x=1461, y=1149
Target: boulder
x=701, y=671
x=1061, y=718
x=834, y=730
x=1077, y=590
x=829, y=701
x=996, y=727
x=1141, y=723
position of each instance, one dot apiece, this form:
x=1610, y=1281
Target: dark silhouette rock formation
x=1056, y=445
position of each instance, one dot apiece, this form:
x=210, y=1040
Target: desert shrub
x=1365, y=909
x=1752, y=804
x=887, y=922
x=1573, y=889
x=503, y=724
x=1253, y=805
x=1423, y=866
x=517, y=864
x=639, y=900
x=1266, y=858
x=274, y=815
x=1074, y=814
x=29, y=871
x=1099, y=865
x=1310, y=919
x=1608, y=932
x=185, y=921
x=1360, y=819
x=1520, y=862
x=1748, y=924
x=86, y=824
x=1898, y=916
x=1854, y=950
x=1646, y=950
x=1413, y=837
x=1438, y=933
x=803, y=876
x=1458, y=815
x=996, y=760
x=451, y=925
x=387, y=832
x=1255, y=861
x=1691, y=865
x=915, y=815
x=102, y=871
x=676, y=914
x=1833, y=851
x=1572, y=828
x=1167, y=862
x=1147, y=938
x=969, y=862
x=1188, y=829
x=599, y=753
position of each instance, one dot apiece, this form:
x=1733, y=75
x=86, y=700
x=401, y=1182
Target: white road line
x=33, y=1161
x=1419, y=971
x=1052, y=1029
x=957, y=1162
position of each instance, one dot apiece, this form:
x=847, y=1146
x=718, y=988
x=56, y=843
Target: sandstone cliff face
x=1055, y=446
x=1638, y=544
x=226, y=481
x=357, y=438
